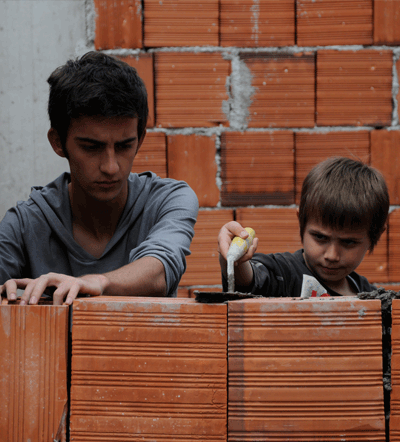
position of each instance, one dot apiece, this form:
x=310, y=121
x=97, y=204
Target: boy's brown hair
x=95, y=84
x=344, y=193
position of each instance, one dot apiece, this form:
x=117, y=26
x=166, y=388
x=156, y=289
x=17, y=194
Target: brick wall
x=247, y=95
x=162, y=369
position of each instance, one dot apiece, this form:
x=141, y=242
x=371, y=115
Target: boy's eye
x=91, y=146
x=124, y=146
x=349, y=242
x=320, y=237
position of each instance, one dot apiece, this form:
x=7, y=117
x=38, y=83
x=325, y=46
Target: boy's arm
x=156, y=266
x=12, y=257
x=144, y=277
x=243, y=268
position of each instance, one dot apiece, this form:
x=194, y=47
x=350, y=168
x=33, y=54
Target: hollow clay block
x=395, y=374
x=305, y=370
x=33, y=380
x=148, y=368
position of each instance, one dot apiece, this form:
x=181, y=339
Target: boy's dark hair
x=95, y=84
x=344, y=193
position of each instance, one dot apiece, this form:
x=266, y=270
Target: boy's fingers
x=227, y=233
x=66, y=287
x=39, y=287
x=59, y=294
x=72, y=294
x=68, y=291
x=223, y=245
x=249, y=254
x=254, y=246
x=26, y=296
x=11, y=288
x=34, y=289
x=236, y=229
x=21, y=283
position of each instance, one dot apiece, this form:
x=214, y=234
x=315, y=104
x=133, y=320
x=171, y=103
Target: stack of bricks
x=162, y=369
x=34, y=370
x=305, y=370
x=247, y=95
x=148, y=369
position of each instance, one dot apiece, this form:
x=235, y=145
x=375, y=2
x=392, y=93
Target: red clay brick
x=375, y=266
x=354, y=88
x=294, y=370
x=276, y=228
x=312, y=148
x=203, y=264
x=385, y=156
x=394, y=245
x=190, y=89
x=386, y=22
x=284, y=89
x=152, y=155
x=191, y=158
x=154, y=367
x=334, y=22
x=183, y=292
x=33, y=382
x=180, y=23
x=143, y=63
x=395, y=374
x=249, y=23
x=118, y=24
x=257, y=168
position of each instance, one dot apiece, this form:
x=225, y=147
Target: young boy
x=99, y=229
x=342, y=214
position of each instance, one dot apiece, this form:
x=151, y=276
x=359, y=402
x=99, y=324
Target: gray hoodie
x=158, y=220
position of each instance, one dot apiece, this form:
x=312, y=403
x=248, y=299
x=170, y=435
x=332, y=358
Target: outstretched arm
x=144, y=277
x=155, y=266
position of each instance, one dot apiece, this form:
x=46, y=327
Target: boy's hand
x=66, y=287
x=225, y=236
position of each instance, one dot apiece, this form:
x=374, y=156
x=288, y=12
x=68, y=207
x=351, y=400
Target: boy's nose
x=332, y=253
x=109, y=163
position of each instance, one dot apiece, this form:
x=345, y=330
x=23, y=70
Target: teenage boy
x=100, y=229
x=342, y=214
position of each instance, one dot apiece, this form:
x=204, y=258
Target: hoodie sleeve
x=12, y=257
x=172, y=211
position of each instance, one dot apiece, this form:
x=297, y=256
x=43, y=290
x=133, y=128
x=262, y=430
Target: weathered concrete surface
x=36, y=37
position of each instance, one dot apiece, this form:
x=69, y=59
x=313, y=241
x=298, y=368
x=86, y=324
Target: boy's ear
x=55, y=142
x=141, y=140
x=297, y=213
